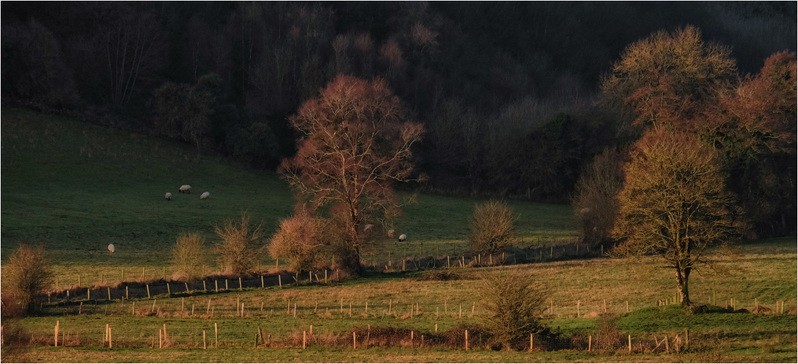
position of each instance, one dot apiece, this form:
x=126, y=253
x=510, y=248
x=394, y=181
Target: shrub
x=515, y=303
x=491, y=227
x=27, y=273
x=188, y=256
x=299, y=238
x=238, y=251
x=608, y=337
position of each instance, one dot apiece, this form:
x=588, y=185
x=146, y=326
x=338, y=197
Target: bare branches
x=356, y=143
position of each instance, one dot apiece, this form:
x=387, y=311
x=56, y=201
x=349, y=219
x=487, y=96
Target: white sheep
x=391, y=233
x=205, y=195
x=168, y=196
x=111, y=248
x=403, y=237
x=185, y=189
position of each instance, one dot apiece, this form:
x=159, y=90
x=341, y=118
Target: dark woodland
x=512, y=95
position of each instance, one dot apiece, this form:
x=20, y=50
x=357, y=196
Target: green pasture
x=758, y=273
x=76, y=187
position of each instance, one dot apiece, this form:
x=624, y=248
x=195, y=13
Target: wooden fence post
x=686, y=338
x=57, y=327
x=531, y=341
x=204, y=342
x=466, y=340
x=629, y=341
x=589, y=342
x=354, y=341
x=215, y=335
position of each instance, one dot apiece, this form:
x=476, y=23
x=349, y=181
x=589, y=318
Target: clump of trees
x=355, y=143
x=184, y=112
x=27, y=273
x=703, y=171
x=492, y=227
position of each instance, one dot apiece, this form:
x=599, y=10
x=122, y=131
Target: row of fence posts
x=462, y=262
x=681, y=343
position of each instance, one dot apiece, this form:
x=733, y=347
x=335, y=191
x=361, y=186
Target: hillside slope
x=76, y=187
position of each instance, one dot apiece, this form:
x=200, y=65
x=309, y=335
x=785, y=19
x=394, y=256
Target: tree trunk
x=682, y=276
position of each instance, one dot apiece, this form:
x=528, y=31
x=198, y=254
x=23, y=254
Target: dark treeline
x=505, y=90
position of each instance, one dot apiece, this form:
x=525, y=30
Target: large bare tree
x=355, y=144
x=674, y=204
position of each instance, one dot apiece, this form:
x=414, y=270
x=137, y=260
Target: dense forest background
x=507, y=91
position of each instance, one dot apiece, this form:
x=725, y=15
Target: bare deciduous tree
x=669, y=77
x=355, y=144
x=674, y=204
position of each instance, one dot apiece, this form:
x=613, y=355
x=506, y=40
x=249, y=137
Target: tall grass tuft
x=27, y=273
x=239, y=248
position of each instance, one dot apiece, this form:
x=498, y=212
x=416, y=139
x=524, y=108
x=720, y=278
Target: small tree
x=491, y=227
x=26, y=274
x=674, y=204
x=239, y=249
x=188, y=256
x=595, y=204
x=515, y=303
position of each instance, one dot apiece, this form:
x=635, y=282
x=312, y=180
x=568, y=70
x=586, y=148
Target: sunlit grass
x=592, y=284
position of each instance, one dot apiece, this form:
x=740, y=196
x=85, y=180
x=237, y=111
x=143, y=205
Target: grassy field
x=76, y=188
x=761, y=273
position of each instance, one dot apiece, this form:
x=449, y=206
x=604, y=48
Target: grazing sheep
x=205, y=195
x=185, y=189
x=391, y=233
x=168, y=196
x=403, y=237
x=111, y=248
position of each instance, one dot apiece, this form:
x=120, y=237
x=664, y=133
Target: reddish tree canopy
x=355, y=144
